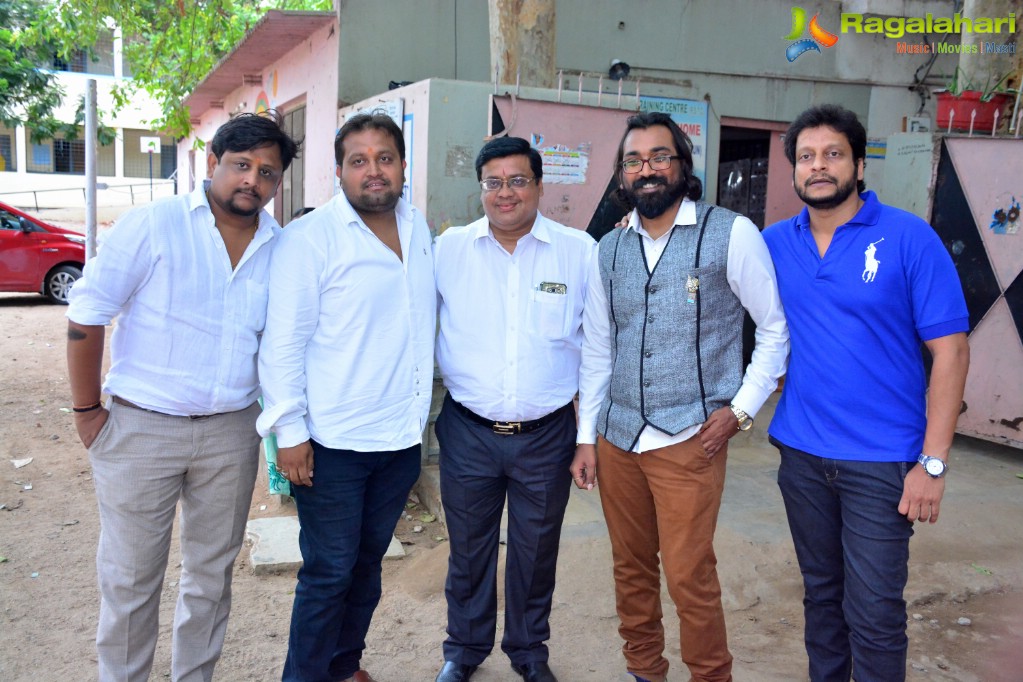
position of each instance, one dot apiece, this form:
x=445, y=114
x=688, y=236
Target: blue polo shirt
x=856, y=387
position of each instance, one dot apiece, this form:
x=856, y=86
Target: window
x=7, y=157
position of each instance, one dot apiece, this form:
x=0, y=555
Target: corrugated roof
x=276, y=34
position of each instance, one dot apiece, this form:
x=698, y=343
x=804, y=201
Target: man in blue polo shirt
x=864, y=441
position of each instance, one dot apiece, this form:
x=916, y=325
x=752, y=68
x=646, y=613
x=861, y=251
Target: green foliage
x=170, y=45
x=31, y=94
x=28, y=93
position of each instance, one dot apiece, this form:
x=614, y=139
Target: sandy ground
x=967, y=566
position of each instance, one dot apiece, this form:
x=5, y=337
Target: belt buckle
x=507, y=428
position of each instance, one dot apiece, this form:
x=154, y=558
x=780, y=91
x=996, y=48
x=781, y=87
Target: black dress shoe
x=455, y=672
x=535, y=671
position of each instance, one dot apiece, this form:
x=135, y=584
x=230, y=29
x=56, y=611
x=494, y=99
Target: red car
x=38, y=257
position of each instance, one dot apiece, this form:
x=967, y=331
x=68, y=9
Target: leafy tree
x=170, y=45
x=29, y=94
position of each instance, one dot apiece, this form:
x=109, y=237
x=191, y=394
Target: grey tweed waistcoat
x=676, y=356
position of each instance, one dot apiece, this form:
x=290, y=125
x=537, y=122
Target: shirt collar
x=403, y=210
x=686, y=215
x=197, y=199
x=540, y=230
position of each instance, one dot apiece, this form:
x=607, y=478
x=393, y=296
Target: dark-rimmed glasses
x=657, y=163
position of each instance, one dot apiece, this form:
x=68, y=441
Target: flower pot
x=960, y=108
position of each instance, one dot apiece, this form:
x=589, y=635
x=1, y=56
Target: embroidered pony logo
x=871, y=263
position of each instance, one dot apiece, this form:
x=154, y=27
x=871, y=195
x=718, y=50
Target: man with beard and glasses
x=346, y=366
x=662, y=390
x=864, y=441
x=186, y=278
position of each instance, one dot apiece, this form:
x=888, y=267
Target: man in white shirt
x=346, y=366
x=662, y=385
x=186, y=278
x=511, y=288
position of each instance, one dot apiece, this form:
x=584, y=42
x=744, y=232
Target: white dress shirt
x=347, y=356
x=188, y=324
x=750, y=274
x=508, y=350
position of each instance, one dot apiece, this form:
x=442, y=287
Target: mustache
x=652, y=181
x=820, y=176
x=249, y=193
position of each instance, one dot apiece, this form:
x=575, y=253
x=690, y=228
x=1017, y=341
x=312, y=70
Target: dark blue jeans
x=853, y=550
x=347, y=517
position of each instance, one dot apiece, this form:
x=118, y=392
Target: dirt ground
x=967, y=566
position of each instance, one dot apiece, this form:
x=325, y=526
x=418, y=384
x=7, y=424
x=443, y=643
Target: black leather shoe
x=455, y=672
x=535, y=671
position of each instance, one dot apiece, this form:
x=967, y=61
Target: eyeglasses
x=657, y=163
x=494, y=184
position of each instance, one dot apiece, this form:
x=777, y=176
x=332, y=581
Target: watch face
x=935, y=466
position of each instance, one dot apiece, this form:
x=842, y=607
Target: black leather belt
x=511, y=428
x=127, y=403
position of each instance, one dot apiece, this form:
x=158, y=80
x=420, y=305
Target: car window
x=9, y=221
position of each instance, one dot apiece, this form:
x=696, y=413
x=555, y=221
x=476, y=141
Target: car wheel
x=59, y=282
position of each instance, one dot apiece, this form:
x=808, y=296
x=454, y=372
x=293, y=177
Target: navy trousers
x=478, y=470
x=853, y=550
x=347, y=517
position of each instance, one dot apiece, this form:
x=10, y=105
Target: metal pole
x=90, y=169
x=150, y=174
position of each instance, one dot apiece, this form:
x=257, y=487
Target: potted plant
x=962, y=97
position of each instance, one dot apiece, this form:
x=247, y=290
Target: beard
x=376, y=203
x=653, y=205
x=842, y=192
x=242, y=211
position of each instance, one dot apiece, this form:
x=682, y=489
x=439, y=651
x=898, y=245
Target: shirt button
x=648, y=354
x=650, y=319
x=653, y=290
x=646, y=384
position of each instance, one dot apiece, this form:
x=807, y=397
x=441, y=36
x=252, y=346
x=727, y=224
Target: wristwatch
x=934, y=466
x=745, y=421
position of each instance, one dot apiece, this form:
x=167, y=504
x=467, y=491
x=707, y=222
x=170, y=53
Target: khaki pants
x=666, y=500
x=143, y=465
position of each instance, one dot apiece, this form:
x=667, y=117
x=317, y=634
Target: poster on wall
x=691, y=117
x=562, y=164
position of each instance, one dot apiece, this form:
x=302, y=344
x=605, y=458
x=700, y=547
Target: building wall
x=396, y=40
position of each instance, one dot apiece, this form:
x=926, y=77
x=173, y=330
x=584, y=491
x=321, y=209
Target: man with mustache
x=662, y=390
x=186, y=278
x=864, y=440
x=511, y=288
x=346, y=366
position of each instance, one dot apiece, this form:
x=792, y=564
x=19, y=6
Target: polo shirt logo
x=870, y=266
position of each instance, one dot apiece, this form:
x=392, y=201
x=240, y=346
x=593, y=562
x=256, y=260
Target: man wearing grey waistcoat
x=662, y=390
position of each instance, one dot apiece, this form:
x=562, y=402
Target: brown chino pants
x=666, y=500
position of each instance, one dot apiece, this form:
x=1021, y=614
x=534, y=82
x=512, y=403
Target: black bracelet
x=90, y=408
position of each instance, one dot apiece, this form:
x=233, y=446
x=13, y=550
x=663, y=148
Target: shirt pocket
x=550, y=315
x=257, y=295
